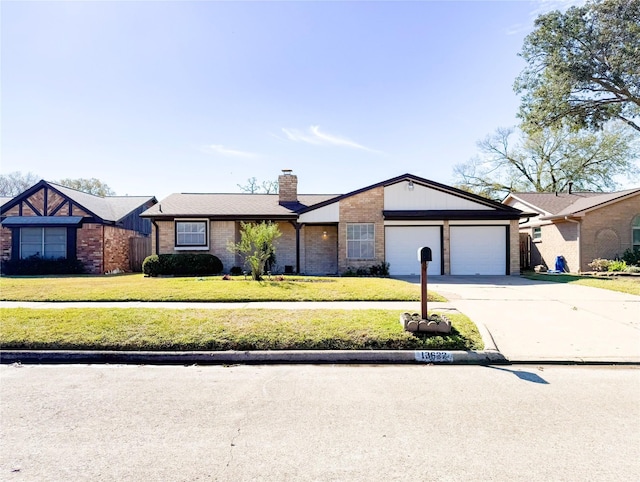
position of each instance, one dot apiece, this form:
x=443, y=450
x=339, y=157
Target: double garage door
x=474, y=250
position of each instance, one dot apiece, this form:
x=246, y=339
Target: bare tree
x=15, y=182
x=547, y=160
x=254, y=187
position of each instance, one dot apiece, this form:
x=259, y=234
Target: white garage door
x=478, y=250
x=401, y=248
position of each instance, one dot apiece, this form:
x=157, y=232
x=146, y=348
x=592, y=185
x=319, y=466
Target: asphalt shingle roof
x=110, y=208
x=239, y=205
x=565, y=204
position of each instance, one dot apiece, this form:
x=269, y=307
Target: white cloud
x=227, y=152
x=313, y=135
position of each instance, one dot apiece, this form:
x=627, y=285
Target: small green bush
x=182, y=264
x=633, y=269
x=632, y=256
x=600, y=264
x=235, y=271
x=617, y=265
x=35, y=265
x=381, y=269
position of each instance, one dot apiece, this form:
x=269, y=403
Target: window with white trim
x=361, y=241
x=191, y=233
x=43, y=242
x=635, y=233
x=536, y=233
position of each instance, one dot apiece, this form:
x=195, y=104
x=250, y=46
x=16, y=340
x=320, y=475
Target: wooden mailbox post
x=424, y=256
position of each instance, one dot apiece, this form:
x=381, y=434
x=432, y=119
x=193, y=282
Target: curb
x=487, y=357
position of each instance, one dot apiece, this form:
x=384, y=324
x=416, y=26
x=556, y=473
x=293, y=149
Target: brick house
x=54, y=221
x=580, y=226
x=327, y=234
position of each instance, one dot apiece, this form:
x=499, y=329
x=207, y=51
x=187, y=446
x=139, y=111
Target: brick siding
x=606, y=232
x=89, y=247
x=365, y=207
x=320, y=256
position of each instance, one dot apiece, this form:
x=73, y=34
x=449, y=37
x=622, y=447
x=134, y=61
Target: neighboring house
x=54, y=221
x=327, y=234
x=580, y=226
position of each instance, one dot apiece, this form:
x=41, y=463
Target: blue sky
x=162, y=97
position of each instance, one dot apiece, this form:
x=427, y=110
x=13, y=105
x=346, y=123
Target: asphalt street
x=328, y=422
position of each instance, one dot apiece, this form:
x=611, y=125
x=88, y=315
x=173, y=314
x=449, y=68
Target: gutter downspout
x=566, y=218
x=157, y=234
x=297, y=227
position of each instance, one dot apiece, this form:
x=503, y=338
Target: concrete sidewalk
x=521, y=321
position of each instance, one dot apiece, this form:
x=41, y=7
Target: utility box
x=424, y=254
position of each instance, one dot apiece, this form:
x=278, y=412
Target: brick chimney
x=288, y=187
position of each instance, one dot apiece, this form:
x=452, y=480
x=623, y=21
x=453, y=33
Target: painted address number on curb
x=434, y=356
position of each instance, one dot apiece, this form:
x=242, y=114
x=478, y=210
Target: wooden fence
x=139, y=248
x=525, y=251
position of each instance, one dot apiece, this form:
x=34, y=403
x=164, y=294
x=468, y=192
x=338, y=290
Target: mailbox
x=424, y=254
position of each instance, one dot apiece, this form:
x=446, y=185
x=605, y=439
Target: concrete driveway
x=534, y=320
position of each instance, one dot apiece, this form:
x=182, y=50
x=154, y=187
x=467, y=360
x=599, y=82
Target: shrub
x=633, y=269
x=256, y=246
x=617, y=265
x=600, y=264
x=235, y=271
x=182, y=264
x=35, y=265
x=632, y=256
x=381, y=269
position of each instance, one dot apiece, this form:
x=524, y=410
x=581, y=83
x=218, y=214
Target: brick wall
x=286, y=246
x=320, y=255
x=89, y=248
x=5, y=243
x=365, y=207
x=116, y=248
x=221, y=232
x=514, y=253
x=606, y=232
x=559, y=239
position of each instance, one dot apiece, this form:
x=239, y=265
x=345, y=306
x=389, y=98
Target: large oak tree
x=583, y=67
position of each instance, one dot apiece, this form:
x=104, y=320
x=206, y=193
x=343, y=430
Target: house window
x=635, y=233
x=191, y=233
x=536, y=234
x=360, y=241
x=43, y=242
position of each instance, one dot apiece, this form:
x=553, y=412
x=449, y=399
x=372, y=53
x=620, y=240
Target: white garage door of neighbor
x=478, y=250
x=401, y=248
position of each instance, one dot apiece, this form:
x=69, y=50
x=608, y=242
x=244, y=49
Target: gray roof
x=231, y=205
x=110, y=208
x=565, y=204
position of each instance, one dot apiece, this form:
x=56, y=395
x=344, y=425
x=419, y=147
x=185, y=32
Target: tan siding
x=365, y=207
x=606, y=232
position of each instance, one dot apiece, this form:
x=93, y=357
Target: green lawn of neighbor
x=198, y=329
x=136, y=287
x=624, y=284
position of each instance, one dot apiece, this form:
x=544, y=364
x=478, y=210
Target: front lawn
x=624, y=284
x=136, y=287
x=193, y=329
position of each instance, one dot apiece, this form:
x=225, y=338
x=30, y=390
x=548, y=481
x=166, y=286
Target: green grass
x=624, y=284
x=162, y=329
x=136, y=287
